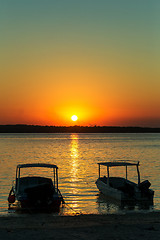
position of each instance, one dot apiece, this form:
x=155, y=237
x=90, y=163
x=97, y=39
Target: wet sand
x=132, y=226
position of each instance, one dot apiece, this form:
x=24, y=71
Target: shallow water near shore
x=76, y=156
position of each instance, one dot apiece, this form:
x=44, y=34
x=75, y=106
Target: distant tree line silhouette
x=22, y=128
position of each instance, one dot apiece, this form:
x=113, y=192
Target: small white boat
x=121, y=189
x=35, y=192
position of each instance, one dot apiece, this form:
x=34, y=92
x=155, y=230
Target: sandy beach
x=96, y=227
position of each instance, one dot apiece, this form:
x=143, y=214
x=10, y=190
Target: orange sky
x=99, y=61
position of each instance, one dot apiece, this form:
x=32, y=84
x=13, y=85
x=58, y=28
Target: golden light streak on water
x=74, y=156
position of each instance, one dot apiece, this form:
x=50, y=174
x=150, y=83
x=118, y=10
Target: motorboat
x=36, y=192
x=121, y=189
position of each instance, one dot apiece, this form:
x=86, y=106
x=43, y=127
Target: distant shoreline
x=22, y=128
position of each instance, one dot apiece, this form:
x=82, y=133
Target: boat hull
x=30, y=206
x=108, y=191
x=53, y=206
x=135, y=196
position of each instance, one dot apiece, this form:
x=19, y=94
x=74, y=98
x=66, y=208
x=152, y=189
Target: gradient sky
x=97, y=59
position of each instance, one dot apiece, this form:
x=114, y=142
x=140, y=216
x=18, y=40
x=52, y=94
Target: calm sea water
x=77, y=155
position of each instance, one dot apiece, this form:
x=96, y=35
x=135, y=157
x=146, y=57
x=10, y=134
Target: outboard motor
x=144, y=185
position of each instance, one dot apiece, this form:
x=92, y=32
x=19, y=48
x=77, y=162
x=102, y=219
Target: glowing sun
x=74, y=118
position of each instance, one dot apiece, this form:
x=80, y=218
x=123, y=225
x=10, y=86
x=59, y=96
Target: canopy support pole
x=108, y=175
x=138, y=173
x=126, y=172
x=99, y=171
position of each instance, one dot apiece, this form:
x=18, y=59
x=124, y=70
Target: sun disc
x=74, y=118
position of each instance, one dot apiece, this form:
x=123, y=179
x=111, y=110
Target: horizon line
x=90, y=126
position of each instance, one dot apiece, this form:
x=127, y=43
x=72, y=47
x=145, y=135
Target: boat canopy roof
x=119, y=163
x=28, y=165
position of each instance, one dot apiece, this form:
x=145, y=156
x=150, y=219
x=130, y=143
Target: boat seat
x=116, y=182
x=122, y=184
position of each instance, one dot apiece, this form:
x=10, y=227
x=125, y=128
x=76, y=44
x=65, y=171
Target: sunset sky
x=96, y=59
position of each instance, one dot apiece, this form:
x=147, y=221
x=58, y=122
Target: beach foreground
x=96, y=227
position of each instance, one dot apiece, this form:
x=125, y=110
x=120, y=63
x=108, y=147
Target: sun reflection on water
x=74, y=153
x=74, y=173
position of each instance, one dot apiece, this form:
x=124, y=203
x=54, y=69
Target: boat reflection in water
x=109, y=205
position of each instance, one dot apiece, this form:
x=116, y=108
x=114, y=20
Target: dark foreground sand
x=132, y=226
